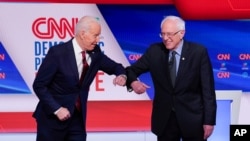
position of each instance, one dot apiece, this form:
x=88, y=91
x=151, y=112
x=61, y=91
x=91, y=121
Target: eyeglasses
x=169, y=35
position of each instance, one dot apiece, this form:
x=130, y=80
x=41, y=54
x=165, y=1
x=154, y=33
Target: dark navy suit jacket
x=57, y=81
x=193, y=95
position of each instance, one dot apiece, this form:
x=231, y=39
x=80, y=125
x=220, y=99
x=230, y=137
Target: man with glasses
x=184, y=104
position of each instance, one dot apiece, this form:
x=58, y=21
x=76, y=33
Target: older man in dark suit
x=61, y=88
x=184, y=104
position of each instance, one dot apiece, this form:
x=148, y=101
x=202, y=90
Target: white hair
x=84, y=23
x=180, y=22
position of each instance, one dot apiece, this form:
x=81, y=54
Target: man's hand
x=120, y=80
x=139, y=87
x=63, y=114
x=208, y=130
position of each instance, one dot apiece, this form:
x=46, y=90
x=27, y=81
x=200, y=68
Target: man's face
x=91, y=37
x=171, y=35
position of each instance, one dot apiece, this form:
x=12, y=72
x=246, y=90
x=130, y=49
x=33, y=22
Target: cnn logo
x=46, y=28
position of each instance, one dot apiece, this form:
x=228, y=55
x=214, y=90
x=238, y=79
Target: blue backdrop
x=137, y=26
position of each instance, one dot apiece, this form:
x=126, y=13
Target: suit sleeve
x=141, y=66
x=208, y=90
x=110, y=67
x=41, y=83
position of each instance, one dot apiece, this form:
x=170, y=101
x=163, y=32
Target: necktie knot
x=172, y=58
x=83, y=55
x=84, y=61
x=174, y=53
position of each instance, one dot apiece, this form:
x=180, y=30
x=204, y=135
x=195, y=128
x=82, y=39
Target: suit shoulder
x=156, y=46
x=194, y=44
x=61, y=48
x=62, y=45
x=195, y=49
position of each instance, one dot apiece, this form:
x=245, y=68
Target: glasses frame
x=169, y=35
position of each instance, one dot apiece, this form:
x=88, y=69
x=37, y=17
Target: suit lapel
x=72, y=60
x=183, y=62
x=166, y=64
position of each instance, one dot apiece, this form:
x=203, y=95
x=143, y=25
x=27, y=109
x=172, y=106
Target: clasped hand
x=139, y=87
x=120, y=80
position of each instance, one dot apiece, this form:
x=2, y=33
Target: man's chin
x=169, y=47
x=92, y=47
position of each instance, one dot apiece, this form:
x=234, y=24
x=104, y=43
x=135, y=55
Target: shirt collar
x=76, y=46
x=179, y=48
